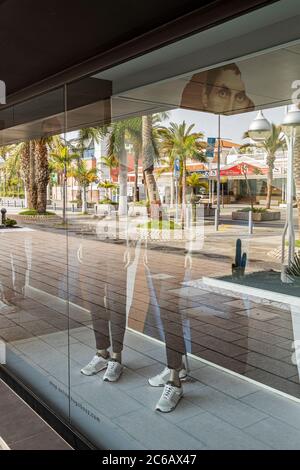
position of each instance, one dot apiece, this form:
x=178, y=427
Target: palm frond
x=294, y=269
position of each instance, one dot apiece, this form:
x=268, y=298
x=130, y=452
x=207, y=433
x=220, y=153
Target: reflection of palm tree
x=35, y=170
x=60, y=163
x=42, y=173
x=82, y=142
x=84, y=178
x=118, y=133
x=107, y=185
x=178, y=141
x=270, y=145
x=110, y=161
x=148, y=153
x=195, y=181
x=11, y=169
x=25, y=159
x=141, y=133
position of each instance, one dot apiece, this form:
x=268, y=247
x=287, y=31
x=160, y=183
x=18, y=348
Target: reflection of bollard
x=73, y=208
x=7, y=203
x=96, y=208
x=54, y=206
x=250, y=227
x=15, y=203
x=22, y=205
x=216, y=220
x=3, y=216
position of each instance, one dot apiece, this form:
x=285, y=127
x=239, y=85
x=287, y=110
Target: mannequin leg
x=174, y=378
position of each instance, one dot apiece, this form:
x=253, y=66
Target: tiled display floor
x=218, y=409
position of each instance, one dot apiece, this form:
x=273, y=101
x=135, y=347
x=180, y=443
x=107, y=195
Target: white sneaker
x=97, y=364
x=169, y=399
x=113, y=372
x=161, y=379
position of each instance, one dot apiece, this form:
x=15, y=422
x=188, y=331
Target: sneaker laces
x=168, y=392
x=112, y=365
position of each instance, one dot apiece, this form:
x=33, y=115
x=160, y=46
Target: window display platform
x=218, y=411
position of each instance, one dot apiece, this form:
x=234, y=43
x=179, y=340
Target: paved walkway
x=21, y=428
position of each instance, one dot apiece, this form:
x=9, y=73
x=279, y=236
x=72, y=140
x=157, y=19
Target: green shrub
x=160, y=225
x=297, y=243
x=108, y=201
x=10, y=223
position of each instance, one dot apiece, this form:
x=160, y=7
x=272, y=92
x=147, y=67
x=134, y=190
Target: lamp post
x=290, y=123
x=176, y=175
x=218, y=209
x=259, y=130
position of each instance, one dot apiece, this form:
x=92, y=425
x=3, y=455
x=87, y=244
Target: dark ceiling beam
x=198, y=20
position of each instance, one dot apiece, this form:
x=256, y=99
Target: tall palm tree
x=11, y=169
x=107, y=186
x=195, y=181
x=111, y=161
x=143, y=140
x=149, y=151
x=84, y=178
x=27, y=160
x=118, y=134
x=41, y=149
x=35, y=170
x=270, y=146
x=60, y=163
x=81, y=143
x=137, y=153
x=167, y=157
x=178, y=141
x=42, y=173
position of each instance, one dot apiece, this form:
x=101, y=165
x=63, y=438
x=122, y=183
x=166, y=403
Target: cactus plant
x=238, y=268
x=294, y=269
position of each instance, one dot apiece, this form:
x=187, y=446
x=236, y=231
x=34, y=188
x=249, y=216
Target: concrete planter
x=257, y=216
x=137, y=210
x=38, y=219
x=105, y=209
x=208, y=211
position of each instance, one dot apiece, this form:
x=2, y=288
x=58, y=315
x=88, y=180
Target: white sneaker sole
x=182, y=379
x=171, y=409
x=90, y=374
x=106, y=379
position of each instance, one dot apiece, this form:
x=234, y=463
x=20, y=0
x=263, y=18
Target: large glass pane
x=164, y=289
x=161, y=250
x=34, y=299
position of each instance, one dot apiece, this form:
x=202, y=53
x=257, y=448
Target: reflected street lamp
x=290, y=123
x=260, y=129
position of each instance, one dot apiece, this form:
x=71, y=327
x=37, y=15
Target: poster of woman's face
x=220, y=91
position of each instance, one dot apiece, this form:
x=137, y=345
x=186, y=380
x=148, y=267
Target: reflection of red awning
x=243, y=168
